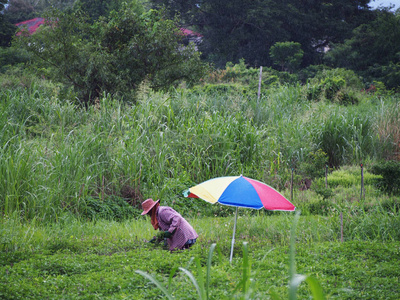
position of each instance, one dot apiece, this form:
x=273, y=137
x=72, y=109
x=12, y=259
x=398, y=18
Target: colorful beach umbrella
x=240, y=191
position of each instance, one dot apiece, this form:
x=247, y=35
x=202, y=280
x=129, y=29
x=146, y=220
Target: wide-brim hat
x=147, y=205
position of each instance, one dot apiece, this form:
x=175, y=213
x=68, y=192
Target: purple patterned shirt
x=169, y=220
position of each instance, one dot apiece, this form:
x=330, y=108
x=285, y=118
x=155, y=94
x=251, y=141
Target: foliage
x=97, y=9
x=113, y=56
x=243, y=75
x=335, y=86
x=287, y=55
x=101, y=258
x=247, y=29
x=7, y=29
x=168, y=142
x=344, y=135
x=388, y=130
x=13, y=58
x=110, y=208
x=20, y=10
x=315, y=164
x=390, y=180
x=23, y=10
x=219, y=89
x=372, y=51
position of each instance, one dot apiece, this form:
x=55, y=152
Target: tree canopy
x=338, y=33
x=7, y=29
x=113, y=55
x=234, y=29
x=373, y=50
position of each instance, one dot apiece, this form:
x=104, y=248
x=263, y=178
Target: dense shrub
x=111, y=208
x=314, y=165
x=317, y=207
x=390, y=180
x=219, y=89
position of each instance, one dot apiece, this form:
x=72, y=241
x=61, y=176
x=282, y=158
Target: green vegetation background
x=73, y=176
x=73, y=180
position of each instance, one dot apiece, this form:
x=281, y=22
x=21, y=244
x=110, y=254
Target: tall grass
x=54, y=155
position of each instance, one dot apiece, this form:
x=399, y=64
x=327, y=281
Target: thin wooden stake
x=341, y=227
x=362, y=182
x=326, y=176
x=291, y=187
x=102, y=189
x=259, y=84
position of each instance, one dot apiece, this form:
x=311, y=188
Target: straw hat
x=147, y=205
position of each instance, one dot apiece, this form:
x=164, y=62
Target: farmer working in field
x=173, y=227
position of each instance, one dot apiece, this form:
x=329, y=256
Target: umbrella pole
x=234, y=232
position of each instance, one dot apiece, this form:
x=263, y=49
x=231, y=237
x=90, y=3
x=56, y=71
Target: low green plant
x=347, y=176
x=245, y=284
x=202, y=288
x=202, y=283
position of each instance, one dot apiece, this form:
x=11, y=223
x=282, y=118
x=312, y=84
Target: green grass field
x=98, y=260
x=67, y=175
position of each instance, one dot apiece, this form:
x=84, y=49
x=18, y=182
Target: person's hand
x=167, y=234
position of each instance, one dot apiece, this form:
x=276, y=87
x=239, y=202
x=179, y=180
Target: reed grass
x=55, y=154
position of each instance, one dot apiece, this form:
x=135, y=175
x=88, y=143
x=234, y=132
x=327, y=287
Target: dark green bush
x=332, y=86
x=111, y=208
x=346, y=98
x=314, y=165
x=318, y=207
x=390, y=180
x=325, y=193
x=223, y=88
x=391, y=205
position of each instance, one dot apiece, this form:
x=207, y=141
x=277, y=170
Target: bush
x=217, y=89
x=335, y=85
x=325, y=193
x=351, y=79
x=344, y=97
x=111, y=208
x=315, y=164
x=318, y=207
x=390, y=180
x=391, y=205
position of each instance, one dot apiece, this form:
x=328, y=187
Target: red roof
x=188, y=32
x=32, y=25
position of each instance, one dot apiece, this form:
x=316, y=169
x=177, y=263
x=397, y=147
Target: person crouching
x=177, y=231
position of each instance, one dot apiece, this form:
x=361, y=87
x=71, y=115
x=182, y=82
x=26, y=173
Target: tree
x=20, y=10
x=287, y=55
x=113, y=55
x=235, y=29
x=96, y=9
x=373, y=50
x=7, y=29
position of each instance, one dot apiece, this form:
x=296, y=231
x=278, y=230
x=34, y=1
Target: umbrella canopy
x=240, y=191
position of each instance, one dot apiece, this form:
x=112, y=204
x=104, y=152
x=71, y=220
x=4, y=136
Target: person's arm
x=171, y=217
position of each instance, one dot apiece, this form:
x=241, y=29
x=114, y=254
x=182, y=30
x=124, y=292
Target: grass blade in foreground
x=210, y=254
x=156, y=282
